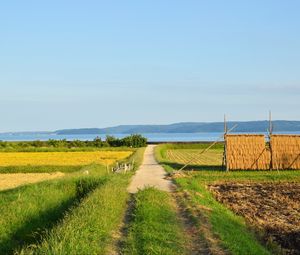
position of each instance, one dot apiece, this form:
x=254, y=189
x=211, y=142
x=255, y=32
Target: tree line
x=134, y=140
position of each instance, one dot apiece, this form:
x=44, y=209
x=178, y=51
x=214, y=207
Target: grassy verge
x=155, y=228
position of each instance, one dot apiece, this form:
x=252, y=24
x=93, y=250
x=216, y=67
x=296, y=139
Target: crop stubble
x=273, y=208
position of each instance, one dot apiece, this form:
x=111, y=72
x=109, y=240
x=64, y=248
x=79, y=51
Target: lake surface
x=152, y=137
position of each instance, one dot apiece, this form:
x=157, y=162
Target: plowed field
x=273, y=208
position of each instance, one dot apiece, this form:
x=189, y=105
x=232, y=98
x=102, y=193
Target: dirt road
x=150, y=174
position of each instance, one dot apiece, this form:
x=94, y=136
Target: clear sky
x=73, y=64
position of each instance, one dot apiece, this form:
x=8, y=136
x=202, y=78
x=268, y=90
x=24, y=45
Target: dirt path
x=150, y=174
x=10, y=181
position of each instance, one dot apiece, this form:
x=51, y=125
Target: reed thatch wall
x=247, y=152
x=285, y=151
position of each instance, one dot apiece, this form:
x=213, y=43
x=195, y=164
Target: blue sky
x=72, y=64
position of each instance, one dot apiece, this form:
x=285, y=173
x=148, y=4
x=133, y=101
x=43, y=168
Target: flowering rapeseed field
x=61, y=158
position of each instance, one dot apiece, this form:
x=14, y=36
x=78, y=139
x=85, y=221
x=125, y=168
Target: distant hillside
x=188, y=127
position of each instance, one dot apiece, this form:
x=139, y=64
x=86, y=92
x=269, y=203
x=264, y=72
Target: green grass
x=244, y=176
x=235, y=235
x=39, y=169
x=26, y=212
x=88, y=228
x=76, y=214
x=154, y=228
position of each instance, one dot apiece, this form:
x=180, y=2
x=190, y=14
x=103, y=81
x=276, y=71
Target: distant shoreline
x=176, y=128
x=152, y=137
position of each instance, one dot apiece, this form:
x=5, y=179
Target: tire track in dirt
x=120, y=235
x=196, y=226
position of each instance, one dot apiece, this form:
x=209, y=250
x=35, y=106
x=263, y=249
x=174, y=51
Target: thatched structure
x=246, y=152
x=285, y=151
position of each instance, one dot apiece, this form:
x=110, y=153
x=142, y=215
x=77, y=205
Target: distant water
x=152, y=137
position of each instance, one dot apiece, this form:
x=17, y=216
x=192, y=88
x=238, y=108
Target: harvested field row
x=182, y=156
x=10, y=181
x=273, y=208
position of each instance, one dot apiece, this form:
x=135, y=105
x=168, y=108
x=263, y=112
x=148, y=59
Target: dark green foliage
x=134, y=141
x=113, y=141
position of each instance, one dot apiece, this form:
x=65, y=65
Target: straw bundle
x=285, y=151
x=247, y=152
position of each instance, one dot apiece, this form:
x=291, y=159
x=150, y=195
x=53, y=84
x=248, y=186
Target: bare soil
x=150, y=174
x=10, y=181
x=272, y=208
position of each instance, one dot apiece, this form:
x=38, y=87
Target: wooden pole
x=224, y=162
x=270, y=140
x=270, y=124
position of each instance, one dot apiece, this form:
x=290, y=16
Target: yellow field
x=193, y=157
x=61, y=158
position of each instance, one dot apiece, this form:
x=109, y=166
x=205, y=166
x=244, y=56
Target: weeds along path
x=150, y=174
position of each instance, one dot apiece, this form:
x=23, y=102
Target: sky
x=75, y=64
